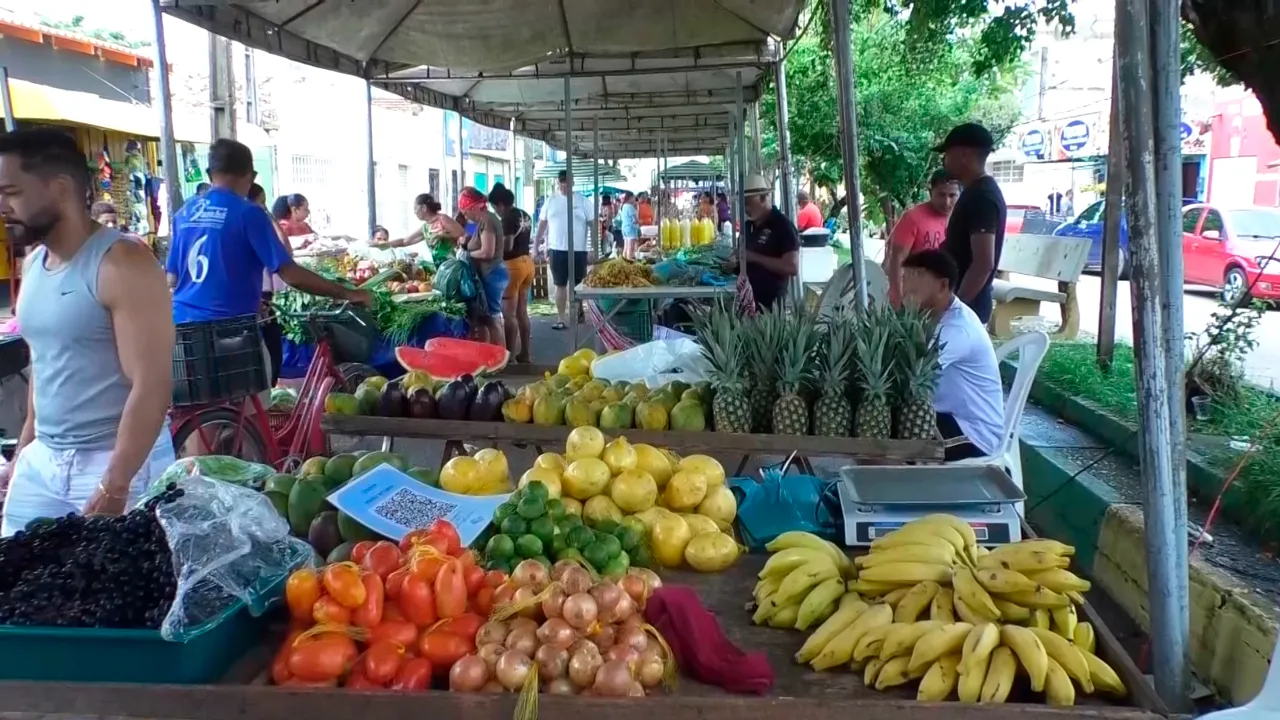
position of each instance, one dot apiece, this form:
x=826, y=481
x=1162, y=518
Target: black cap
x=968, y=135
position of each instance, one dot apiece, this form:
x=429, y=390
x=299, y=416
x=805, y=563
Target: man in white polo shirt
x=969, y=400
x=553, y=231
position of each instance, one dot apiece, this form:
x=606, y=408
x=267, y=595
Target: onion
x=524, y=641
x=561, y=686
x=531, y=574
x=575, y=580
x=650, y=578
x=624, y=653
x=493, y=686
x=650, y=668
x=636, y=587
x=626, y=608
x=493, y=631
x=503, y=594
x=580, y=610
x=557, y=632
x=604, y=637
x=636, y=689
x=634, y=621
x=513, y=669
x=554, y=602
x=635, y=638
x=613, y=679
x=561, y=567
x=607, y=596
x=583, y=664
x=526, y=623
x=490, y=653
x=526, y=598
x=552, y=662
x=468, y=674
x=584, y=645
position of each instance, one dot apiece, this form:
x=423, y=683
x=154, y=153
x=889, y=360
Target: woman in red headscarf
x=485, y=247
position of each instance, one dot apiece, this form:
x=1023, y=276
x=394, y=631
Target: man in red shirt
x=920, y=228
x=809, y=216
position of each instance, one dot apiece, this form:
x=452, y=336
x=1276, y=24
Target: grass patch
x=1072, y=368
x=542, y=308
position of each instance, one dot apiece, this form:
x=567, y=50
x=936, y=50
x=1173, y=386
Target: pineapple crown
x=716, y=327
x=795, y=355
x=873, y=345
x=917, y=345
x=764, y=337
x=836, y=353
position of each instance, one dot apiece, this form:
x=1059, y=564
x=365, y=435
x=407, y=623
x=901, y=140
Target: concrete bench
x=1044, y=256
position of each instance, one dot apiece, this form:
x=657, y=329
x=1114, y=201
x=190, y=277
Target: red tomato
x=280, y=663
x=342, y=582
x=451, y=591
x=391, y=611
x=473, y=577
x=465, y=625
x=301, y=591
x=444, y=649
x=445, y=529
x=483, y=601
x=299, y=682
x=357, y=681
x=426, y=565
x=412, y=538
x=382, y=559
x=370, y=612
x=360, y=550
x=323, y=657
x=418, y=602
x=394, y=581
x=382, y=660
x=327, y=610
x=414, y=674
x=495, y=578
x=398, y=631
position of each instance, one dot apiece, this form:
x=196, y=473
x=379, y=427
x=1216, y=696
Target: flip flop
x=558, y=326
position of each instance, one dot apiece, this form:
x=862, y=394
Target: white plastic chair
x=1264, y=706
x=1031, y=348
x=840, y=288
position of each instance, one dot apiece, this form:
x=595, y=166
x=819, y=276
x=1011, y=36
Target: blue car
x=1089, y=224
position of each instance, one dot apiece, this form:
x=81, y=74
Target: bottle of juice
x=685, y=233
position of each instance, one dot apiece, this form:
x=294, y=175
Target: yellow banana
x=782, y=563
x=1067, y=655
x=819, y=603
x=978, y=646
x=785, y=617
x=969, y=689
x=849, y=598
x=962, y=528
x=766, y=588
x=1023, y=562
x=1039, y=618
x=973, y=594
x=1058, y=689
x=1060, y=580
x=968, y=614
x=1030, y=651
x=766, y=610
x=942, y=609
x=870, y=672
x=1010, y=612
x=1053, y=547
x=893, y=597
x=843, y=562
x=870, y=589
x=999, y=580
x=893, y=674
x=999, y=680
x=1065, y=621
x=794, y=539
x=829, y=629
x=915, y=601
x=939, y=680
x=936, y=643
x=840, y=650
x=902, y=638
x=1041, y=598
x=1074, y=597
x=1084, y=637
x=906, y=573
x=799, y=581
x=1105, y=680
x=919, y=535
x=931, y=554
x=870, y=643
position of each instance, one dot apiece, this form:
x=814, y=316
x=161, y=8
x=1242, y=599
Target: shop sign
x=1185, y=131
x=1034, y=144
x=1074, y=136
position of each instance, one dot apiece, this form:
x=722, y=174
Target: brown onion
x=636, y=638
x=561, y=567
x=561, y=686
x=557, y=632
x=468, y=674
x=607, y=596
x=624, y=653
x=519, y=622
x=650, y=578
x=531, y=574
x=626, y=608
x=553, y=662
x=493, y=686
x=583, y=664
x=634, y=621
x=584, y=645
x=503, y=594
x=513, y=669
x=552, y=604
x=604, y=637
x=576, y=580
x=650, y=668
x=613, y=679
x=490, y=652
x=525, y=598
x=636, y=690
x=580, y=610
x=494, y=631
x=635, y=586
x=523, y=640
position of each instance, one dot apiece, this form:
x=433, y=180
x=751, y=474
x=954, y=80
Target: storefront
x=1243, y=155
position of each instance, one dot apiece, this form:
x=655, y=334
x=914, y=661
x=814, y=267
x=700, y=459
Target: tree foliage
x=76, y=25
x=1239, y=39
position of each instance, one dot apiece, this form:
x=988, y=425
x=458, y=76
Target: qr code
x=411, y=510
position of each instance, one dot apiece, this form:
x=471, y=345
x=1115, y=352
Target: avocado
x=338, y=469
x=426, y=476
x=323, y=533
x=280, y=484
x=306, y=500
x=313, y=466
x=374, y=459
x=351, y=529
x=342, y=553
x=367, y=400
x=280, y=500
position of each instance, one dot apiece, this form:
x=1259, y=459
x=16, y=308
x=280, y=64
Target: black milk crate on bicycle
x=218, y=360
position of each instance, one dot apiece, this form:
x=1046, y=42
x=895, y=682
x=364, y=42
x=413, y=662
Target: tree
x=76, y=25
x=1237, y=40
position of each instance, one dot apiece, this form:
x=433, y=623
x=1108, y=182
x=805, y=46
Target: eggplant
x=392, y=402
x=422, y=404
x=487, y=407
x=453, y=402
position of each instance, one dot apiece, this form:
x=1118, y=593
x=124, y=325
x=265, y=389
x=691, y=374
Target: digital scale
x=876, y=500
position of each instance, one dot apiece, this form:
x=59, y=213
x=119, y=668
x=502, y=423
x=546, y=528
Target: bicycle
x=242, y=427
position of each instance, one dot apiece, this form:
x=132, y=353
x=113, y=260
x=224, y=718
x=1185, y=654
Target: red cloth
x=701, y=649
x=471, y=199
x=810, y=216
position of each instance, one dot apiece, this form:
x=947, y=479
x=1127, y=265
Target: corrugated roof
x=113, y=51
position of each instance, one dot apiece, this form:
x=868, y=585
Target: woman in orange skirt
x=515, y=301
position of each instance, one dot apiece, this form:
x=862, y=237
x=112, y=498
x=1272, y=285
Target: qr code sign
x=411, y=510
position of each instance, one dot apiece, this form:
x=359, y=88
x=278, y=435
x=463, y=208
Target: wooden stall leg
x=1070, y=326
x=742, y=466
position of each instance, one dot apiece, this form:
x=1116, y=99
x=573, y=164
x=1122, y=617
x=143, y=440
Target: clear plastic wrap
x=230, y=547
x=217, y=467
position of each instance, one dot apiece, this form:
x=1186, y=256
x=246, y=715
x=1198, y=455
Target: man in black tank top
x=975, y=231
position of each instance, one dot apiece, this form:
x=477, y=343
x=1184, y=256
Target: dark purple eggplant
x=422, y=404
x=487, y=407
x=454, y=400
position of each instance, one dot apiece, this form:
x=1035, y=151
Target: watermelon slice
x=451, y=360
x=493, y=358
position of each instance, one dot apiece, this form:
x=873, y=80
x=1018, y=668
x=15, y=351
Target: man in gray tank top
x=94, y=308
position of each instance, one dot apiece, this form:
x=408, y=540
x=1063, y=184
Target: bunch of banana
x=803, y=582
x=924, y=550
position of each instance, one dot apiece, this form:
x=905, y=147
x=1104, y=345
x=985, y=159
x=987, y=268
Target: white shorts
x=51, y=483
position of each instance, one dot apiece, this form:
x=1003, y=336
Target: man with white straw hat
x=773, y=245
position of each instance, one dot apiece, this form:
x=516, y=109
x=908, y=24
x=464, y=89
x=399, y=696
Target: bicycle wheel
x=353, y=374
x=221, y=431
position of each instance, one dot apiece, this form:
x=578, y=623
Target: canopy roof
x=583, y=172
x=648, y=69
x=692, y=170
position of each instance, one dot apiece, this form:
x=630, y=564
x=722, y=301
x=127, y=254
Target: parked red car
x=1236, y=250
x=1013, y=218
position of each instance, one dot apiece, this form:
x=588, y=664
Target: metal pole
x=514, y=187
x=168, y=149
x=738, y=161
x=784, y=140
x=595, y=179
x=571, y=306
x=462, y=166
x=9, y=123
x=757, y=152
x=371, y=172
x=849, y=141
x=1111, y=230
x=1165, y=509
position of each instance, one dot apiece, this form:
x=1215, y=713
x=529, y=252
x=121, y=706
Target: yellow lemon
x=546, y=476
x=619, y=456
x=584, y=442
x=708, y=466
x=651, y=460
x=585, y=478
x=551, y=461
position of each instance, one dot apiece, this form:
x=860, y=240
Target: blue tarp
x=383, y=359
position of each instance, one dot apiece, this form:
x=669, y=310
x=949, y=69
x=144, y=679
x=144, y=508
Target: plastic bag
x=217, y=467
x=230, y=547
x=655, y=363
x=283, y=400
x=776, y=505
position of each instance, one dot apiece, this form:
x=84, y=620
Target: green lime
x=503, y=564
x=628, y=537
x=614, y=569
x=531, y=507
x=500, y=547
x=503, y=511
x=538, y=490
x=543, y=529
x=571, y=554
x=597, y=554
x=624, y=557
x=555, y=508
x=640, y=557
x=558, y=546
x=515, y=526
x=611, y=544
x=528, y=546
x=606, y=525
x=571, y=520
x=636, y=524
x=580, y=537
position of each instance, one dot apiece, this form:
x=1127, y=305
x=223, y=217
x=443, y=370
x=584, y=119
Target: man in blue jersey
x=222, y=244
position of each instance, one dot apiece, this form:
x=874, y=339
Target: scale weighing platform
x=876, y=500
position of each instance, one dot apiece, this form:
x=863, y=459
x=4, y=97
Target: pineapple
x=833, y=413
x=722, y=345
x=918, y=373
x=795, y=371
x=764, y=341
x=874, y=417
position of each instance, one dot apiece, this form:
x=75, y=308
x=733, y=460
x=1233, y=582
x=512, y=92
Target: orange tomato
x=394, y=581
x=445, y=530
x=444, y=649
x=358, y=681
x=398, y=631
x=323, y=657
x=382, y=559
x=327, y=610
x=414, y=674
x=280, y=663
x=370, y=612
x=360, y=550
x=483, y=601
x=495, y=578
x=473, y=577
x=391, y=611
x=382, y=660
x=418, y=601
x=301, y=591
x=465, y=625
x=342, y=582
x=451, y=591
x=425, y=565
x=413, y=538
